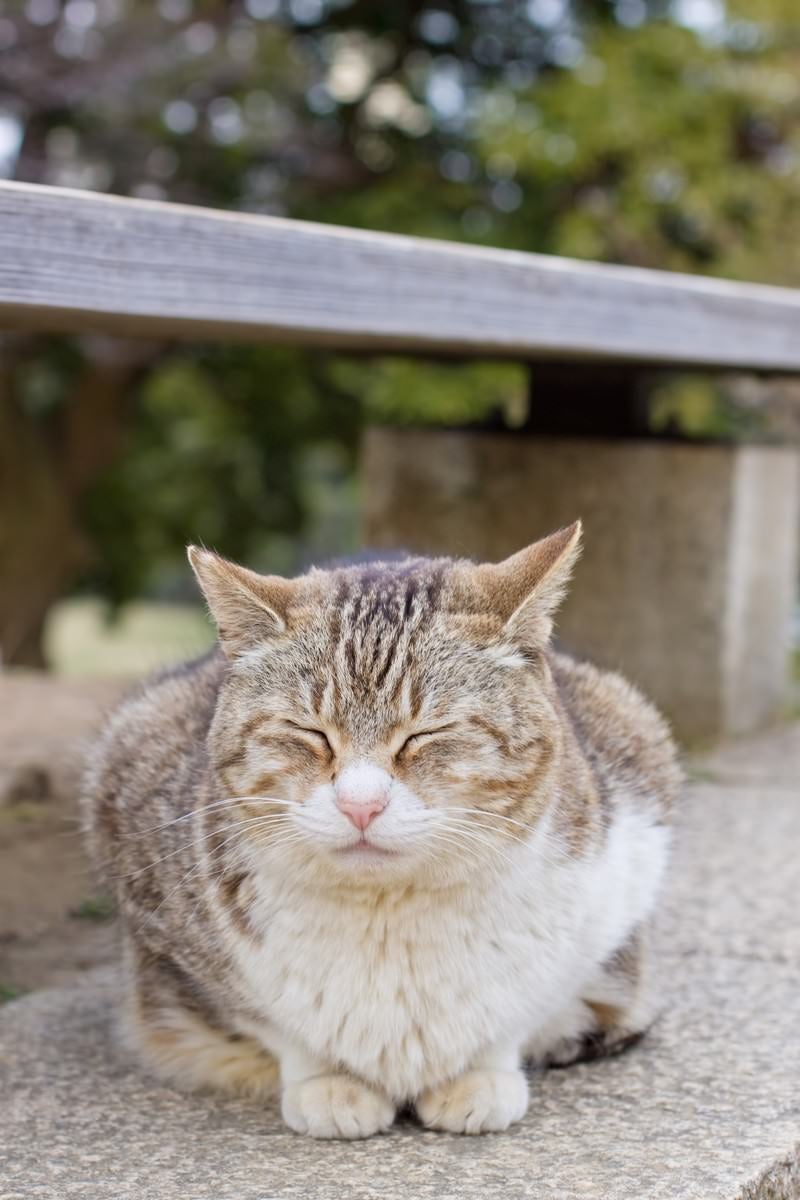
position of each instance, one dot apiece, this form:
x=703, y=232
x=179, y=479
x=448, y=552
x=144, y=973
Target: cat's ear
x=526, y=589
x=248, y=608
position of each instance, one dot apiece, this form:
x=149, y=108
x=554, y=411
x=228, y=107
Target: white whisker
x=204, y=861
x=439, y=836
x=484, y=843
x=541, y=835
x=485, y=812
x=274, y=819
x=227, y=802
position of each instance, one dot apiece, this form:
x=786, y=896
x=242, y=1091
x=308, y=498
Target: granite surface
x=707, y=1107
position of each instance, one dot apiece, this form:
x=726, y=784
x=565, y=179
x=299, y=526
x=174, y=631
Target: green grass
x=80, y=641
x=696, y=774
x=9, y=992
x=94, y=908
x=24, y=812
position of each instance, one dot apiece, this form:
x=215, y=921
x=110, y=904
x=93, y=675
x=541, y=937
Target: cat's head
x=391, y=719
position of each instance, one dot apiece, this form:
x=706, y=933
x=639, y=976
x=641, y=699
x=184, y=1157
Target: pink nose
x=362, y=793
x=361, y=812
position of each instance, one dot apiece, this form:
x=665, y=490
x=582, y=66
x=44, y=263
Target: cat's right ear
x=526, y=589
x=248, y=608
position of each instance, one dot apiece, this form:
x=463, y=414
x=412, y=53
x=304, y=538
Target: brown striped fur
x=317, y=673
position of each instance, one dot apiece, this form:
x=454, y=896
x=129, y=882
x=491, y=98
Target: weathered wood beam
x=81, y=261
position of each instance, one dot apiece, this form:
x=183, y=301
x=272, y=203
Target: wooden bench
x=688, y=580
x=81, y=261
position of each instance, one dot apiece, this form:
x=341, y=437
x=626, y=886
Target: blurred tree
x=658, y=132
x=60, y=423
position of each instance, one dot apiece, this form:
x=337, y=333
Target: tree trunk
x=42, y=479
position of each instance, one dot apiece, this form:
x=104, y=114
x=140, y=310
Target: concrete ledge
x=688, y=577
x=707, y=1107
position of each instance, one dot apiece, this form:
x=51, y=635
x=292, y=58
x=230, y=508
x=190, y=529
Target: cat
x=384, y=844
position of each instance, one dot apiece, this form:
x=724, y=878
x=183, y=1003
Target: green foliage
x=226, y=445
x=401, y=391
x=216, y=449
x=697, y=406
x=43, y=382
x=659, y=150
x=598, y=129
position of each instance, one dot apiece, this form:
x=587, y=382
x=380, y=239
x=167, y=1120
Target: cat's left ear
x=249, y=609
x=526, y=589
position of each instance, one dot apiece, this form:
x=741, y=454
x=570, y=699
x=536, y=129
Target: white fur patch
x=408, y=988
x=363, y=782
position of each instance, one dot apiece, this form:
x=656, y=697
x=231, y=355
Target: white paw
x=335, y=1106
x=476, y=1102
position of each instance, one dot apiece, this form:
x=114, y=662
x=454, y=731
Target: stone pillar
x=689, y=571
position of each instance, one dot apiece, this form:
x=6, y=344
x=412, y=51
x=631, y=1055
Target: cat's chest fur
x=402, y=992
x=408, y=988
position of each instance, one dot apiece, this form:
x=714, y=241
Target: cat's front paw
x=477, y=1102
x=335, y=1106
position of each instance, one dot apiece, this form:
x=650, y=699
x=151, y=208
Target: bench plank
x=81, y=261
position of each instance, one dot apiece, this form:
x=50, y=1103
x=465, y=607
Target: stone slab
x=771, y=758
x=703, y=1109
x=737, y=883
x=706, y=1108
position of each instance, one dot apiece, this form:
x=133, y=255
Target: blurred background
x=661, y=133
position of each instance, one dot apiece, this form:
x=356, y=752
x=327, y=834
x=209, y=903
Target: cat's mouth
x=366, y=850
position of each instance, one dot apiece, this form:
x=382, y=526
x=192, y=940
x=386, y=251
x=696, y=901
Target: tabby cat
x=384, y=845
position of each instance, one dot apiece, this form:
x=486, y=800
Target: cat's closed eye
x=316, y=735
x=421, y=737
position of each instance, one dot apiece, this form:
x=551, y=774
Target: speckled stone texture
x=707, y=1107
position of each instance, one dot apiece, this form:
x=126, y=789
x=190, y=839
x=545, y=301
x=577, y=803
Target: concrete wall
x=689, y=570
